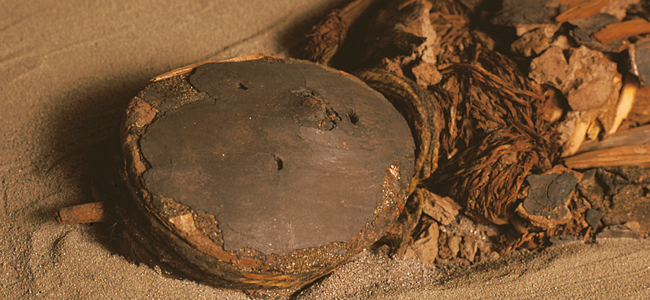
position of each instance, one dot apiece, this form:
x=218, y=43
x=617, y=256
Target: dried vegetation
x=530, y=106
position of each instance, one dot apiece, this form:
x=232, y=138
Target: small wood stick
x=625, y=148
x=82, y=213
x=622, y=30
x=634, y=155
x=625, y=102
x=329, y=34
x=579, y=9
x=635, y=136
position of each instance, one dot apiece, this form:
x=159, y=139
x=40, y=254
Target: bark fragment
x=83, y=213
x=547, y=203
x=442, y=209
x=425, y=247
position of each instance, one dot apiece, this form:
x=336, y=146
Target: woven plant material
x=266, y=173
x=488, y=121
x=499, y=140
x=492, y=136
x=509, y=110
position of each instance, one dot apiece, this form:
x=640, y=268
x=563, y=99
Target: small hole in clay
x=241, y=86
x=353, y=118
x=279, y=163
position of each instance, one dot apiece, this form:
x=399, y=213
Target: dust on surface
x=66, y=75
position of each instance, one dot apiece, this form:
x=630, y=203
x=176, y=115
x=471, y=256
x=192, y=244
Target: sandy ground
x=67, y=70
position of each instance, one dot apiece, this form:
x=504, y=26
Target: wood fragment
x=82, y=213
x=625, y=102
x=634, y=155
x=640, y=115
x=442, y=209
x=189, y=68
x=635, y=136
x=622, y=30
x=329, y=34
x=426, y=246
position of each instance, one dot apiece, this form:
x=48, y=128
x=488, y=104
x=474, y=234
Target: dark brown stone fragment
x=593, y=217
x=592, y=190
x=515, y=12
x=642, y=60
x=630, y=204
x=621, y=194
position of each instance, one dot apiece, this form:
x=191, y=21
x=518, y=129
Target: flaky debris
x=499, y=126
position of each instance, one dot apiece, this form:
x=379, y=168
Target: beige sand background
x=67, y=70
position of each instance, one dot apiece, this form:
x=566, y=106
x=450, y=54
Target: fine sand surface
x=67, y=71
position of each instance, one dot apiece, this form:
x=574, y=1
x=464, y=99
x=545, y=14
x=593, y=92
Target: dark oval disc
x=286, y=156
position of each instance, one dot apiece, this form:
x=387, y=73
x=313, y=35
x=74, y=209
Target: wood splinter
x=82, y=213
x=625, y=148
x=625, y=102
x=328, y=35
